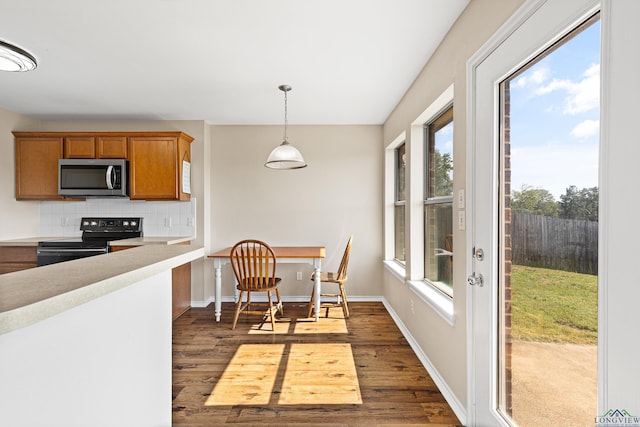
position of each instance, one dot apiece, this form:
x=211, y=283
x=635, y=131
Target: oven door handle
x=71, y=251
x=110, y=177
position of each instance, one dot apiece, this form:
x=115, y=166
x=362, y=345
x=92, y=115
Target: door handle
x=109, y=177
x=476, y=279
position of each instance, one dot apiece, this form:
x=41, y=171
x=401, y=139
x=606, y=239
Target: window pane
x=440, y=156
x=399, y=233
x=400, y=173
x=438, y=258
x=438, y=209
x=399, y=202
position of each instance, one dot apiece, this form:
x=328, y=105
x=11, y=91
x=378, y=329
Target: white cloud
x=582, y=96
x=586, y=129
x=536, y=77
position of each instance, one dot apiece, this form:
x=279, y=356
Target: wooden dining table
x=284, y=254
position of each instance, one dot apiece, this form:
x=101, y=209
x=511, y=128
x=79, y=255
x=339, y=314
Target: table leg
x=218, y=290
x=316, y=271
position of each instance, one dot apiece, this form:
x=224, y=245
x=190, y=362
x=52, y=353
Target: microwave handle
x=110, y=177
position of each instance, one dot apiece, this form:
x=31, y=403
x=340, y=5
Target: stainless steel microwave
x=93, y=177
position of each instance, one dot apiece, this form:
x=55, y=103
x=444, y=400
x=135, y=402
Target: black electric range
x=96, y=235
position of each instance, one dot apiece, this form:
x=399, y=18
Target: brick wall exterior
x=505, y=287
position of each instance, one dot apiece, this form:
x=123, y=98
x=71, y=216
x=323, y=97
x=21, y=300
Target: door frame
x=476, y=317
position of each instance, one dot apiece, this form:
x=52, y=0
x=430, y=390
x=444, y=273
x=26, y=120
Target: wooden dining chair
x=254, y=265
x=339, y=278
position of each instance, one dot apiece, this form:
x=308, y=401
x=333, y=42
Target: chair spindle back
x=254, y=264
x=344, y=264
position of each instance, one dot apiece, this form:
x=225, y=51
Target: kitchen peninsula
x=94, y=337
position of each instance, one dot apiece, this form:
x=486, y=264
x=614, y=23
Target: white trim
x=604, y=203
x=202, y=304
x=298, y=298
x=390, y=195
x=416, y=173
x=457, y=407
x=439, y=302
x=397, y=269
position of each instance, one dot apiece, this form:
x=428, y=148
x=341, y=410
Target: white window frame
x=436, y=200
x=427, y=292
x=395, y=267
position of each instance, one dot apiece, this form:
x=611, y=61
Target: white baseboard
x=448, y=394
x=203, y=304
x=262, y=298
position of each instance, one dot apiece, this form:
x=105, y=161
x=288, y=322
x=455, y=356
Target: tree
x=533, y=200
x=579, y=204
x=444, y=168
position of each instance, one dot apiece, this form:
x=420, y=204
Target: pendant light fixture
x=285, y=155
x=12, y=58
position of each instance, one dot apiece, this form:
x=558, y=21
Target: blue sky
x=555, y=118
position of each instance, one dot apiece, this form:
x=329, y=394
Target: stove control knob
x=134, y=223
x=94, y=223
x=125, y=223
x=85, y=222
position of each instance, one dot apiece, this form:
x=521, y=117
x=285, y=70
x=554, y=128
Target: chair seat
x=326, y=276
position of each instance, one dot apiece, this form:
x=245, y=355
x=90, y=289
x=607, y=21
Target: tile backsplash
x=159, y=218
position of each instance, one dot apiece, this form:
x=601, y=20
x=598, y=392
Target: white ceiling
x=348, y=61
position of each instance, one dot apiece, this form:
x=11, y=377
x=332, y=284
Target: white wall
x=17, y=219
x=103, y=363
x=336, y=195
x=442, y=344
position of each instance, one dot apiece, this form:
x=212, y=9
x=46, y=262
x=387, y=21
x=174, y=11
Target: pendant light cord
x=285, y=116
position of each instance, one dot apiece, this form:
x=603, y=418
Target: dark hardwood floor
x=329, y=373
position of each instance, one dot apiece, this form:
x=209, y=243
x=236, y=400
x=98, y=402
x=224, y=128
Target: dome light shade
x=13, y=58
x=285, y=155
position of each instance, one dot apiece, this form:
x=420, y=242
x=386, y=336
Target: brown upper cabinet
x=155, y=161
x=156, y=166
x=37, y=167
x=95, y=147
x=112, y=147
x=79, y=147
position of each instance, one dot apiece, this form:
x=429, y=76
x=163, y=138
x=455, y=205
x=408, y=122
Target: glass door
x=534, y=160
x=548, y=234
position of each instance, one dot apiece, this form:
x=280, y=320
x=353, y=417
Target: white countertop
x=35, y=294
x=136, y=241
x=28, y=241
x=152, y=240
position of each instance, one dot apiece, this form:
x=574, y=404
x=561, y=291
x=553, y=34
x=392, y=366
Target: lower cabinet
x=16, y=258
x=181, y=290
x=181, y=286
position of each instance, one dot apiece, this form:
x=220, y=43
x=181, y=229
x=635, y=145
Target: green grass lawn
x=554, y=306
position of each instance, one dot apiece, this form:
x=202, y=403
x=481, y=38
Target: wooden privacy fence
x=556, y=243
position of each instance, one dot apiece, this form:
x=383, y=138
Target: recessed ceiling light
x=13, y=58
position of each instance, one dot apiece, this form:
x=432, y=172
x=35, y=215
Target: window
x=438, y=202
x=399, y=203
